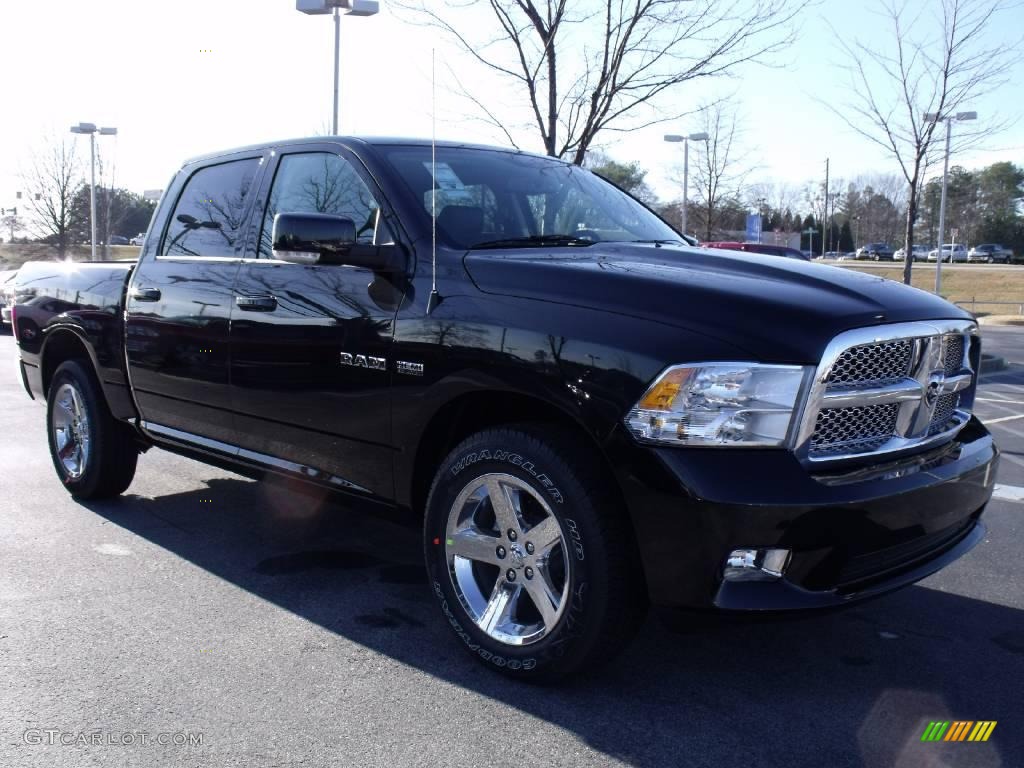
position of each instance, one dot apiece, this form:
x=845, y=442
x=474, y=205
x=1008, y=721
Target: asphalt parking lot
x=285, y=630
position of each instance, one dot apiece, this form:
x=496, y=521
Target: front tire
x=530, y=557
x=94, y=454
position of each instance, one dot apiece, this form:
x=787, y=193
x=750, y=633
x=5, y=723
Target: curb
x=991, y=364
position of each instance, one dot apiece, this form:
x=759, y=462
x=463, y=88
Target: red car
x=771, y=250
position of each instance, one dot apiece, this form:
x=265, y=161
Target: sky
x=189, y=77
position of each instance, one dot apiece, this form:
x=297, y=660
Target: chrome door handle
x=146, y=294
x=265, y=303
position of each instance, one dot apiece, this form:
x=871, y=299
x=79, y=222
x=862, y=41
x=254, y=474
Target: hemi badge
x=413, y=369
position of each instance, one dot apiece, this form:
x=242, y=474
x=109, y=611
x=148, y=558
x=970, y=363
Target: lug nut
x=529, y=573
x=501, y=553
x=511, y=575
x=511, y=535
x=529, y=547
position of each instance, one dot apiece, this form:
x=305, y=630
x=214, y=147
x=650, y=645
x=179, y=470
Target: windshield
x=492, y=198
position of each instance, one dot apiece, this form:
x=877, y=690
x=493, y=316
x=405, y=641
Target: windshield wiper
x=658, y=242
x=533, y=241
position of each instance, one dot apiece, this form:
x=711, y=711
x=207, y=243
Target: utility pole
x=826, y=212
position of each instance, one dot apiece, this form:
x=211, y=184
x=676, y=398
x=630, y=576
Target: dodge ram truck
x=583, y=412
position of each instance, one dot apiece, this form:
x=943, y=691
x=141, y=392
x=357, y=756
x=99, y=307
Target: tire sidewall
x=72, y=373
x=513, y=454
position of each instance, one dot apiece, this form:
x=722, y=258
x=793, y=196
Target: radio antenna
x=434, y=298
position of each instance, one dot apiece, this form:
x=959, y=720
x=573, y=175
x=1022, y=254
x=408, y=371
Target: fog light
x=756, y=564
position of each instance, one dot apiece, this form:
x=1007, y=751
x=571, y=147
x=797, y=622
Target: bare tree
x=923, y=68
x=596, y=65
x=718, y=168
x=51, y=181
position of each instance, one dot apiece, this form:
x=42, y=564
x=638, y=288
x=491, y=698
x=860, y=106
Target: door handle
x=146, y=294
x=264, y=303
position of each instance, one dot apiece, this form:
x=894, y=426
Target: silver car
x=990, y=253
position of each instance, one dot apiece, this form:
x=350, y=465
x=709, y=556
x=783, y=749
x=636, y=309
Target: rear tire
x=522, y=605
x=94, y=454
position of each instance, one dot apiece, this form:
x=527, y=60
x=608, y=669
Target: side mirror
x=319, y=238
x=311, y=238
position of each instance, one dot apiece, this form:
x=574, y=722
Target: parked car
x=765, y=248
x=990, y=253
x=951, y=252
x=118, y=240
x=578, y=411
x=875, y=252
x=832, y=255
x=139, y=239
x=7, y=282
x=920, y=253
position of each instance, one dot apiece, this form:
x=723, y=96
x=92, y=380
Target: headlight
x=718, y=404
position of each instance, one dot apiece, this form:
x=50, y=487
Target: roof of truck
x=381, y=141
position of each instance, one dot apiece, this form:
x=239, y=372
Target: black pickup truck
x=583, y=411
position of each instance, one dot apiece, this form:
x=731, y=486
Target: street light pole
x=672, y=137
x=337, y=66
x=942, y=214
x=948, y=120
x=92, y=130
x=686, y=183
x=92, y=195
x=353, y=8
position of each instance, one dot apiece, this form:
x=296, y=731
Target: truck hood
x=776, y=309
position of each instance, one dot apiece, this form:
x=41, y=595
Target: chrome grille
x=872, y=362
x=853, y=430
x=945, y=405
x=952, y=353
x=889, y=388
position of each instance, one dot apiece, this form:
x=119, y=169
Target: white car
x=138, y=239
x=920, y=253
x=7, y=278
x=951, y=252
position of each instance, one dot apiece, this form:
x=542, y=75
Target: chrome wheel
x=507, y=559
x=71, y=430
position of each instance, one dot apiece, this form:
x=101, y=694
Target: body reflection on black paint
x=291, y=395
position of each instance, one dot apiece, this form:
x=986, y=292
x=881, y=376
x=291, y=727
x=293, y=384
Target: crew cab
x=581, y=411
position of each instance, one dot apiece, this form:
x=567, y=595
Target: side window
x=320, y=182
x=208, y=218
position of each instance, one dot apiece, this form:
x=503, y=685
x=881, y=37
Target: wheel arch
x=64, y=343
x=472, y=412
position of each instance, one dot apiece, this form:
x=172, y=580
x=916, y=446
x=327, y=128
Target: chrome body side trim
x=269, y=462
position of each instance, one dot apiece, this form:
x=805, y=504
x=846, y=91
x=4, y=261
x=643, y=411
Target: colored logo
x=959, y=730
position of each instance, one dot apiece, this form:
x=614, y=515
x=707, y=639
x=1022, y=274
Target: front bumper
x=853, y=533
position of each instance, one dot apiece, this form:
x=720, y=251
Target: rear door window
x=210, y=213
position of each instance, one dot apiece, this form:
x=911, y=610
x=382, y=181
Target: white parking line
x=1004, y=418
x=1011, y=458
x=1008, y=492
x=999, y=400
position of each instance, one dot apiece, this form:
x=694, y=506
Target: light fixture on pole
x=935, y=117
x=353, y=8
x=673, y=137
x=92, y=130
